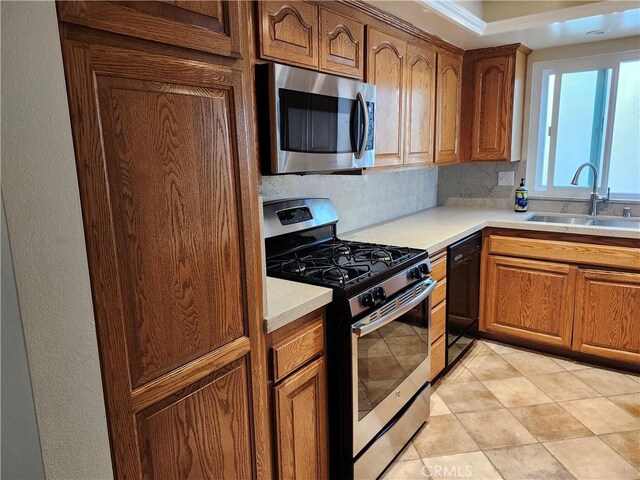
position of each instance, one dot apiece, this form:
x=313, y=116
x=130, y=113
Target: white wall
x=361, y=200
x=40, y=191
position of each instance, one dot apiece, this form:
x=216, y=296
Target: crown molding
x=456, y=13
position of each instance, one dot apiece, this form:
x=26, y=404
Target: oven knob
x=367, y=300
x=424, y=268
x=415, y=273
x=379, y=294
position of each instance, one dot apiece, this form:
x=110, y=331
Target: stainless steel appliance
x=463, y=290
x=377, y=334
x=313, y=122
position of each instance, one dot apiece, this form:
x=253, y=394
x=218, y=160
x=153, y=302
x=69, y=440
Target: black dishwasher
x=463, y=290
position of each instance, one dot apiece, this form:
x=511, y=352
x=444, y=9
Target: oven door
x=322, y=122
x=390, y=360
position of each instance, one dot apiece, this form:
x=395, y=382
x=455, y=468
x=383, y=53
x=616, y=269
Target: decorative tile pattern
x=506, y=412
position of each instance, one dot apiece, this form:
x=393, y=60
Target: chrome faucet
x=595, y=198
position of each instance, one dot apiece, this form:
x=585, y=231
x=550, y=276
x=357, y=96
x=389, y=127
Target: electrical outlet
x=506, y=179
x=421, y=182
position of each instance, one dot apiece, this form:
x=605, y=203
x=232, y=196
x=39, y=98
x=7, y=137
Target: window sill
x=579, y=200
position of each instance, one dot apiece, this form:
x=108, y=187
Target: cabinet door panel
x=211, y=26
x=386, y=69
x=421, y=102
x=167, y=194
x=201, y=432
x=289, y=32
x=530, y=299
x=301, y=424
x=491, y=113
x=449, y=70
x=607, y=320
x=341, y=44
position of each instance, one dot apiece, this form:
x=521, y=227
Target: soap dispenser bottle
x=522, y=198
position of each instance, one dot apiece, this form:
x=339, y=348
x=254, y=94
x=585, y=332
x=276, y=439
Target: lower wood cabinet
x=607, y=314
x=301, y=423
x=530, y=299
x=575, y=301
x=437, y=327
x=299, y=400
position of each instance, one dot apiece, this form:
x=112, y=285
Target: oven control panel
x=377, y=295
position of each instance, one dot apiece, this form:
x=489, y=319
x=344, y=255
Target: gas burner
x=381, y=256
x=336, y=274
x=335, y=249
x=294, y=266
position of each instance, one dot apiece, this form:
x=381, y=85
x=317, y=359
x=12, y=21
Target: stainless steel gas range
x=378, y=324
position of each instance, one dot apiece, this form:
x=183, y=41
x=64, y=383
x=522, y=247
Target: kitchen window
x=586, y=110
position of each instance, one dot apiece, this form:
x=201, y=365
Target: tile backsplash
x=361, y=200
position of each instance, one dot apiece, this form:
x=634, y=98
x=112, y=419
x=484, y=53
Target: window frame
x=540, y=71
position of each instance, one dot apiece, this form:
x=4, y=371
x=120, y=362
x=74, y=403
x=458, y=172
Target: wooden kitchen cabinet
x=301, y=424
x=386, y=68
x=289, y=32
x=448, y=108
x=438, y=326
x=529, y=299
x=341, y=44
x=211, y=26
x=421, y=103
x=494, y=102
x=299, y=400
x=607, y=314
x=165, y=166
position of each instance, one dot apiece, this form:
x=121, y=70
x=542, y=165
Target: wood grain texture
x=439, y=293
x=438, y=320
x=189, y=111
x=211, y=26
x=607, y=315
x=301, y=424
x=493, y=101
x=438, y=357
x=568, y=252
x=421, y=103
x=448, y=108
x=295, y=351
x=289, y=32
x=386, y=56
x=341, y=44
x=202, y=432
x=529, y=299
x=439, y=268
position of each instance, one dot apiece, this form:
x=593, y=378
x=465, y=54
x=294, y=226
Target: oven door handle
x=362, y=328
x=365, y=131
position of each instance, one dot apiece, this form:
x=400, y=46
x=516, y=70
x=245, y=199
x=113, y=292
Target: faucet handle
x=605, y=199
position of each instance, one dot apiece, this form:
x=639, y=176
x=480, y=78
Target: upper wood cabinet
x=607, y=310
x=448, y=105
x=421, y=105
x=529, y=299
x=341, y=44
x=494, y=102
x=210, y=26
x=167, y=185
x=289, y=32
x=386, y=59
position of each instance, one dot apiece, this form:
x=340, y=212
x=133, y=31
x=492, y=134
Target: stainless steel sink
x=569, y=219
x=633, y=223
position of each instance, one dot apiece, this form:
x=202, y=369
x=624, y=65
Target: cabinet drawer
x=296, y=350
x=438, y=317
x=438, y=350
x=439, y=294
x=439, y=269
x=569, y=252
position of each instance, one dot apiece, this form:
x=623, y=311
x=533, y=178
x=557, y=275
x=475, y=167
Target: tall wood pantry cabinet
x=165, y=165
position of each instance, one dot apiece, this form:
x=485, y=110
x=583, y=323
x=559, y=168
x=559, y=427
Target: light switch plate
x=506, y=179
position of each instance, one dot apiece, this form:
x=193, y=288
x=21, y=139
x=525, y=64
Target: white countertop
x=433, y=230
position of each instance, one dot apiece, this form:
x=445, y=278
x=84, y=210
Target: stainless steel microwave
x=313, y=122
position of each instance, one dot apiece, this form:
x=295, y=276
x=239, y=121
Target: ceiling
x=535, y=24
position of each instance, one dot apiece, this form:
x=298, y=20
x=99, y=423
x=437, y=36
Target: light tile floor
x=507, y=413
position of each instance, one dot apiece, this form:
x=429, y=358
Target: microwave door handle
x=360, y=329
x=365, y=130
